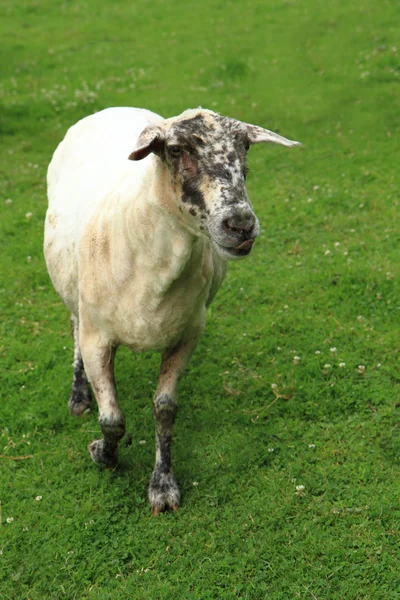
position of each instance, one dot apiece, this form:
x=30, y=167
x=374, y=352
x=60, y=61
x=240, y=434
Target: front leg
x=98, y=356
x=163, y=490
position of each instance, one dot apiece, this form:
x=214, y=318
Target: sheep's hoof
x=163, y=493
x=103, y=453
x=156, y=510
x=80, y=403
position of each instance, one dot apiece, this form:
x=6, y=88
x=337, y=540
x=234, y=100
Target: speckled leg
x=99, y=364
x=163, y=490
x=80, y=400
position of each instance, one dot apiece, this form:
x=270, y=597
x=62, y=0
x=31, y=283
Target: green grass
x=254, y=421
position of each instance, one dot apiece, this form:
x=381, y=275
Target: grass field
x=287, y=441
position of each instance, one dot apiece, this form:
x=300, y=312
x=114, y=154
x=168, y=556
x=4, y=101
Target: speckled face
x=206, y=157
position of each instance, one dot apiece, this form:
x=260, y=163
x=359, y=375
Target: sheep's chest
x=153, y=306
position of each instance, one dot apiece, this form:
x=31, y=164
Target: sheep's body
x=137, y=250
x=107, y=216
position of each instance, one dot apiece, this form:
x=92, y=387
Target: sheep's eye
x=175, y=150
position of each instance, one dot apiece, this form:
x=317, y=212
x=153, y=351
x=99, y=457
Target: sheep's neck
x=164, y=250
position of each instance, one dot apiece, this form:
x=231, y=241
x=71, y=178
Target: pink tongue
x=245, y=245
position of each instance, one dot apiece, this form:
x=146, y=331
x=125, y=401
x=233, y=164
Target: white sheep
x=144, y=213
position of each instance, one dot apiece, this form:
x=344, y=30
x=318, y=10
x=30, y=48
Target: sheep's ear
x=257, y=135
x=149, y=140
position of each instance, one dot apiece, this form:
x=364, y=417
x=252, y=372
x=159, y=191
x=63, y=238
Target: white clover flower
x=327, y=366
x=317, y=352
x=142, y=442
x=337, y=244
x=296, y=360
x=8, y=202
x=333, y=350
x=39, y=498
x=342, y=365
x=28, y=215
x=195, y=483
x=271, y=449
x=311, y=445
x=327, y=252
x=10, y=519
x=274, y=386
x=299, y=488
x=360, y=369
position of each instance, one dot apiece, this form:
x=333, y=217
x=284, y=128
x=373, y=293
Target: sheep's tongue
x=245, y=245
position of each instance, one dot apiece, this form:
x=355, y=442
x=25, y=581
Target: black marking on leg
x=163, y=447
x=80, y=400
x=165, y=410
x=113, y=428
x=105, y=451
x=163, y=490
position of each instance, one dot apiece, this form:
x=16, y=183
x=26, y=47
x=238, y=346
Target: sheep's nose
x=240, y=223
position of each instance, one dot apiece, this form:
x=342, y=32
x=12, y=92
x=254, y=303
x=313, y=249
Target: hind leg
x=80, y=400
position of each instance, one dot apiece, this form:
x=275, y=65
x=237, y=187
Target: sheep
x=144, y=214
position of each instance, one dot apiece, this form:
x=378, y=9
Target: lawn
x=287, y=441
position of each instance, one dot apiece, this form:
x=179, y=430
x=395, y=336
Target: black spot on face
x=195, y=125
x=193, y=212
x=218, y=171
x=199, y=141
x=191, y=193
x=230, y=194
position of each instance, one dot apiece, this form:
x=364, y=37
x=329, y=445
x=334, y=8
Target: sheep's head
x=205, y=154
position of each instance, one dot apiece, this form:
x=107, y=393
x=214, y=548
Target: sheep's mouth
x=239, y=251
